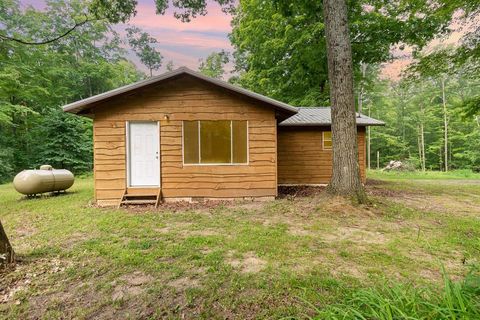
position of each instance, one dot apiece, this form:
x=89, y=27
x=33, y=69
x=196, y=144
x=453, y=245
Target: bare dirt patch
x=442, y=204
x=137, y=278
x=347, y=270
x=25, y=231
x=248, y=263
x=355, y=234
x=299, y=191
x=25, y=274
x=338, y=206
x=130, y=285
x=180, y=206
x=184, y=283
x=76, y=238
x=202, y=232
x=297, y=230
x=250, y=205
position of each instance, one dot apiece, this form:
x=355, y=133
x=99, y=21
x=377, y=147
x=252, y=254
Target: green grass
x=456, y=300
x=427, y=175
x=237, y=260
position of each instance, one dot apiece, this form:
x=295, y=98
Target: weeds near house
x=457, y=300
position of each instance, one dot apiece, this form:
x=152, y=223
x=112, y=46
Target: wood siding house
x=305, y=147
x=183, y=136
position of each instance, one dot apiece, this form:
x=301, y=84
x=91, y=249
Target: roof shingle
x=321, y=116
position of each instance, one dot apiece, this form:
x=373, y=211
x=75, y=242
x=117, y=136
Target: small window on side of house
x=327, y=140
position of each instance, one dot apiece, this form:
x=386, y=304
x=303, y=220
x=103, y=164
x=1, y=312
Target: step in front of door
x=140, y=197
x=139, y=202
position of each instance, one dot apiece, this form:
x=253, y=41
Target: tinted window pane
x=190, y=142
x=215, y=141
x=239, y=136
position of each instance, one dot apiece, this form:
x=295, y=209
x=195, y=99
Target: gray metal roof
x=321, y=116
x=78, y=106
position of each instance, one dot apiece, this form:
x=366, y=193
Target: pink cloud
x=183, y=43
x=215, y=20
x=199, y=40
x=180, y=59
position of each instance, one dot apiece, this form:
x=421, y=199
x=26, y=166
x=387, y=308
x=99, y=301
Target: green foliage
x=414, y=102
x=6, y=161
x=67, y=142
x=213, y=65
x=36, y=80
x=461, y=58
x=144, y=46
x=458, y=300
x=114, y=11
x=280, y=48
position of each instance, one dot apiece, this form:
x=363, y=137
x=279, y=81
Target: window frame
x=231, y=146
x=323, y=140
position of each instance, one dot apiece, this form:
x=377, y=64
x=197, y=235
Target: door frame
x=127, y=154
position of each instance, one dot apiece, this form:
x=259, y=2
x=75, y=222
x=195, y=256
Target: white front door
x=143, y=154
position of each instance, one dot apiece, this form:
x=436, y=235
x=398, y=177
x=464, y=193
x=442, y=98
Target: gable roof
x=78, y=106
x=321, y=116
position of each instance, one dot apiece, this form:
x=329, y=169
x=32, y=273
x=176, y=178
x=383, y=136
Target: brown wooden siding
x=302, y=160
x=185, y=99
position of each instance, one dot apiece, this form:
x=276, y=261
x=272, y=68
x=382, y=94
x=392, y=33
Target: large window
x=327, y=140
x=211, y=142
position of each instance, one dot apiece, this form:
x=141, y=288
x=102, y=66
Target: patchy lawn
x=239, y=260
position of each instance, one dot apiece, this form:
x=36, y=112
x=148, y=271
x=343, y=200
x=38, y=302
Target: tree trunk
x=445, y=126
x=369, y=139
x=422, y=138
x=419, y=143
x=7, y=256
x=346, y=169
x=440, y=157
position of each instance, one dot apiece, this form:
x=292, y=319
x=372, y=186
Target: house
x=183, y=136
x=305, y=147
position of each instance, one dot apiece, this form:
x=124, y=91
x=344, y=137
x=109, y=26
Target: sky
x=186, y=43
x=182, y=43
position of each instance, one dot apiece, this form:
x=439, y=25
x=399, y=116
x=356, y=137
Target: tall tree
x=213, y=65
x=144, y=46
x=280, y=47
x=7, y=255
x=445, y=126
x=68, y=142
x=346, y=179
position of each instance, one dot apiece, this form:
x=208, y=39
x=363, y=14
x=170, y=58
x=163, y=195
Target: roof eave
x=327, y=124
x=78, y=106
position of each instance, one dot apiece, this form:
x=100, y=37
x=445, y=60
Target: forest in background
x=279, y=52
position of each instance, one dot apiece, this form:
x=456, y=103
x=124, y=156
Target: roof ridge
x=313, y=108
x=78, y=106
